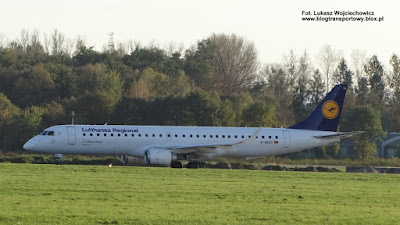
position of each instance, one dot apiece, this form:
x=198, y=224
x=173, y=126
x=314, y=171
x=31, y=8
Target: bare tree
x=358, y=60
x=328, y=59
x=290, y=63
x=58, y=41
x=235, y=61
x=25, y=39
x=394, y=75
x=3, y=41
x=172, y=48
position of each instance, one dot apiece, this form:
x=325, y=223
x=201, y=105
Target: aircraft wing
x=340, y=135
x=208, y=148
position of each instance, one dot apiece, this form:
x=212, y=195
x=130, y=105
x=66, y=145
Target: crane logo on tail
x=330, y=109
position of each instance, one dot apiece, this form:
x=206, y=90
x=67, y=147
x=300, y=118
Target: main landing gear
x=57, y=159
x=176, y=164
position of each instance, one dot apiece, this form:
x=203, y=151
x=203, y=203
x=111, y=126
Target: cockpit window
x=44, y=133
x=50, y=133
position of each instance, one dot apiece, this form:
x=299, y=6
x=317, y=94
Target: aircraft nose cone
x=30, y=145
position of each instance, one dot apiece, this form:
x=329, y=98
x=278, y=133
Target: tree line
x=217, y=82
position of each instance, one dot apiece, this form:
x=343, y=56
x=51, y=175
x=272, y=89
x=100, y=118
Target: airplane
x=170, y=145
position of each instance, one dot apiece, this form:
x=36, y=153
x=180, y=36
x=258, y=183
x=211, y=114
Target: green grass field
x=49, y=194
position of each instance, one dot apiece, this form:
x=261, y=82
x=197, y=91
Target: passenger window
x=229, y=136
x=126, y=135
x=140, y=135
x=191, y=135
x=98, y=134
x=176, y=135
x=216, y=136
x=262, y=137
x=169, y=135
x=197, y=136
x=112, y=135
x=204, y=136
x=269, y=137
x=211, y=136
x=223, y=136
x=183, y=135
x=119, y=135
x=133, y=135
x=153, y=135
x=160, y=135
x=84, y=134
x=91, y=134
x=235, y=136
x=105, y=135
x=242, y=136
x=276, y=137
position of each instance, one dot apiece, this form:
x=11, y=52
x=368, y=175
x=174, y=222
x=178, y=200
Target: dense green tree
x=171, y=111
x=93, y=108
x=35, y=87
x=317, y=89
x=228, y=115
x=130, y=111
x=9, y=119
x=150, y=85
x=85, y=55
x=199, y=65
x=239, y=103
x=259, y=114
x=31, y=123
x=343, y=74
x=204, y=108
x=374, y=70
x=277, y=80
x=362, y=91
x=364, y=118
x=54, y=113
x=65, y=80
x=180, y=84
x=142, y=58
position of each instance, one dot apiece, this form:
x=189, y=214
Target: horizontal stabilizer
x=340, y=135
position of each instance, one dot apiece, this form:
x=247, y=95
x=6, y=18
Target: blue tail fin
x=327, y=114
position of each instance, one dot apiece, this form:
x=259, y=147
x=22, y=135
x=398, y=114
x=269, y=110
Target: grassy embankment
x=104, y=160
x=70, y=194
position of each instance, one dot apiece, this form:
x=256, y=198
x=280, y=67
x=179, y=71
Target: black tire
x=176, y=164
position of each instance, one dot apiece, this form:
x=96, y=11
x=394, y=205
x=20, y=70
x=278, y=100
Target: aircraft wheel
x=176, y=164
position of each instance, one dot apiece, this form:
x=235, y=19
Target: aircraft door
x=71, y=135
x=286, y=138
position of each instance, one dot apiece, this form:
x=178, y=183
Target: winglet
x=252, y=137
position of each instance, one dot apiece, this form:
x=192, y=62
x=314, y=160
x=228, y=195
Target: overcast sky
x=275, y=27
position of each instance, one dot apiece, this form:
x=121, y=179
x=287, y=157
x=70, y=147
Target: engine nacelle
x=131, y=161
x=159, y=157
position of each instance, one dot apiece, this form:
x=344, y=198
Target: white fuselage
x=135, y=140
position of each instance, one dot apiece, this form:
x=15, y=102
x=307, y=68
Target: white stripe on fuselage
x=135, y=140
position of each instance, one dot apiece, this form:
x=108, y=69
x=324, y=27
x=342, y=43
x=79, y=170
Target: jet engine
x=131, y=161
x=159, y=157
